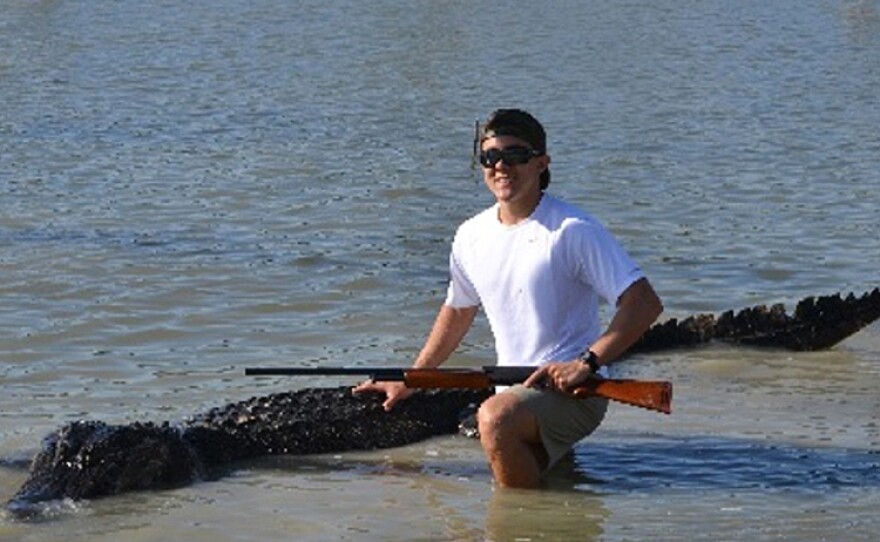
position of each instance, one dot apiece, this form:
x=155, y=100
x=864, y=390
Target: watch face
x=590, y=359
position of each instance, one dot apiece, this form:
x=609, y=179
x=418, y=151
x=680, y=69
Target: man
x=538, y=267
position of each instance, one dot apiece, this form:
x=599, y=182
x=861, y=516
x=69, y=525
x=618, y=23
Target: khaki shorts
x=562, y=420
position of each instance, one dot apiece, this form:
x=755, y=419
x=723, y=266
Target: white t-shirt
x=539, y=281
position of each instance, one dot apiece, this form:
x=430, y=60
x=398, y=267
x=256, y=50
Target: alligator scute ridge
x=817, y=323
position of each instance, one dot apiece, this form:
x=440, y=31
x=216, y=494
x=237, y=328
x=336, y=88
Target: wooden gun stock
x=641, y=393
x=653, y=395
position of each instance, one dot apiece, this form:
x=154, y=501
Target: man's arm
x=450, y=327
x=637, y=308
x=449, y=330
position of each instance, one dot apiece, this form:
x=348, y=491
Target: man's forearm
x=449, y=329
x=638, y=308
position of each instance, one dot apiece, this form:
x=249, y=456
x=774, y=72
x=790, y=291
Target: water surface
x=190, y=189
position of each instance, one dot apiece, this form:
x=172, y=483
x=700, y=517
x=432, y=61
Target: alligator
x=89, y=459
x=817, y=324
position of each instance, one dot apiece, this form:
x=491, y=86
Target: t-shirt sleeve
x=601, y=261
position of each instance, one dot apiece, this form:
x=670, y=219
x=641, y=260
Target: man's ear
x=545, y=158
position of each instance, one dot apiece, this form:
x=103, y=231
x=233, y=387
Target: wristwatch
x=590, y=359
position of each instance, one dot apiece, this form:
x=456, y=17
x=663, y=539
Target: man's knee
x=503, y=417
x=492, y=415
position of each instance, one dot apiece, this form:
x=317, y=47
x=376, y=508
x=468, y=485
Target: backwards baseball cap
x=515, y=123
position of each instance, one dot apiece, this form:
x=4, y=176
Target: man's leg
x=512, y=442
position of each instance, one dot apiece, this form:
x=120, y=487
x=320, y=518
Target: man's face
x=513, y=182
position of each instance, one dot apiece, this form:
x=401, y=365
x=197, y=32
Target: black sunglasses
x=511, y=156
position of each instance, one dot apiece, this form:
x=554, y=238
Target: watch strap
x=590, y=359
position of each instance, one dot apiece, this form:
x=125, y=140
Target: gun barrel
x=417, y=377
x=376, y=373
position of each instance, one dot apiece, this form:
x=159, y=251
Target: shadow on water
x=636, y=464
x=657, y=463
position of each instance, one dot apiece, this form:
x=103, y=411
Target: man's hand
x=563, y=376
x=394, y=391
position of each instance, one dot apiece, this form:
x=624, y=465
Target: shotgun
x=653, y=395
